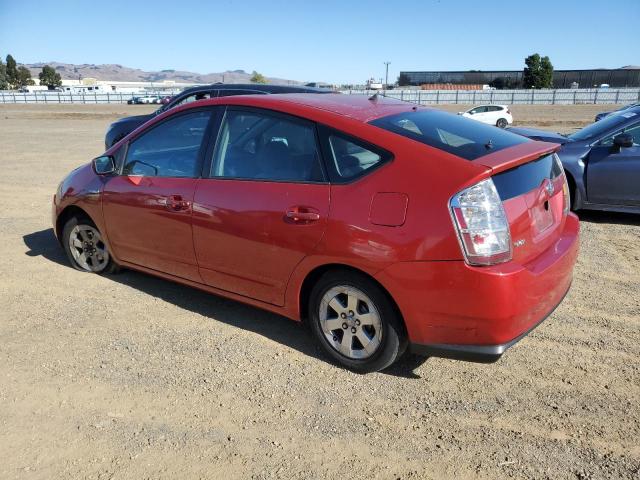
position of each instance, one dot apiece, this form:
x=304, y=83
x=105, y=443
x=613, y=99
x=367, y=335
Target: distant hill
x=119, y=73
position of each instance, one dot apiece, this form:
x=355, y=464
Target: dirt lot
x=134, y=377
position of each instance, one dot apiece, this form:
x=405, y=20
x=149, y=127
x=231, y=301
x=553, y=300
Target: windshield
x=455, y=134
x=600, y=128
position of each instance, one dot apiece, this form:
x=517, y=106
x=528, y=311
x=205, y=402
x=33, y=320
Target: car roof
x=257, y=87
x=358, y=107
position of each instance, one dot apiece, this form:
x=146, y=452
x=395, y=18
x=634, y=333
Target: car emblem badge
x=549, y=187
x=519, y=243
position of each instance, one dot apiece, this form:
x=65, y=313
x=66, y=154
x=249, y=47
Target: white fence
x=511, y=97
x=423, y=97
x=65, y=97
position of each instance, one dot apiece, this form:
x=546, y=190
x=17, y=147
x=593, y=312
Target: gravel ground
x=130, y=376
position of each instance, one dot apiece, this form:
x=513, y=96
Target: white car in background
x=498, y=115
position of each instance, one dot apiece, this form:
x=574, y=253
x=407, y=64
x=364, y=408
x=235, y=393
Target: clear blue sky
x=334, y=41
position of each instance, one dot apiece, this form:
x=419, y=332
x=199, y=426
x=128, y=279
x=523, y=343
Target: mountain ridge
x=119, y=73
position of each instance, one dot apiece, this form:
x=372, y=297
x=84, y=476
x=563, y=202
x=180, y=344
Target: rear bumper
x=474, y=353
x=452, y=309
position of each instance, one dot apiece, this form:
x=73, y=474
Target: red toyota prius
x=382, y=224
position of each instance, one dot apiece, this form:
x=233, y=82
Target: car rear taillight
x=482, y=225
x=508, y=111
x=565, y=185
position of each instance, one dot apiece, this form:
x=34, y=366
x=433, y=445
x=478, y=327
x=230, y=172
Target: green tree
x=12, y=72
x=49, y=77
x=538, y=73
x=24, y=77
x=258, y=78
x=4, y=84
x=546, y=70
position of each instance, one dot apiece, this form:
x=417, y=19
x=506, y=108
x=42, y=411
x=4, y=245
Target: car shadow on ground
x=275, y=327
x=594, y=216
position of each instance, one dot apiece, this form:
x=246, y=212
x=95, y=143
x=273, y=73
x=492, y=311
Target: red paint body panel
x=454, y=303
x=144, y=229
x=244, y=241
x=389, y=209
x=236, y=239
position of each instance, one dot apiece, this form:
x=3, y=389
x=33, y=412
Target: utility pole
x=386, y=75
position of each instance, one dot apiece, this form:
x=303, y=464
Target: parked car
x=498, y=115
x=601, y=115
x=122, y=127
x=143, y=100
x=602, y=161
x=382, y=224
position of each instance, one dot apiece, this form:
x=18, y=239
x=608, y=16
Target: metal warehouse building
x=621, y=77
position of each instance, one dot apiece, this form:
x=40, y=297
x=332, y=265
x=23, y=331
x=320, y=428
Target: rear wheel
x=355, y=322
x=85, y=247
x=502, y=123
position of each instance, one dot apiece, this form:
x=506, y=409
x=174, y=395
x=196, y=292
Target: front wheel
x=85, y=247
x=502, y=123
x=355, y=322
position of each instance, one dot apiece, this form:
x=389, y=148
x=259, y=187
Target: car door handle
x=303, y=214
x=175, y=203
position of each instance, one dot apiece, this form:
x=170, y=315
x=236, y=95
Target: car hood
x=542, y=135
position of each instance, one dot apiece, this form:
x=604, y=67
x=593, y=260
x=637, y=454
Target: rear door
x=147, y=209
x=613, y=174
x=264, y=206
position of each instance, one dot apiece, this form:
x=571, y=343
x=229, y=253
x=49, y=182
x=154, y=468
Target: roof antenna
x=374, y=97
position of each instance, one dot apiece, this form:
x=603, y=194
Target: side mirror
x=624, y=140
x=104, y=165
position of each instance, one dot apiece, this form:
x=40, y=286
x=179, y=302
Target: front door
x=148, y=208
x=264, y=206
x=613, y=174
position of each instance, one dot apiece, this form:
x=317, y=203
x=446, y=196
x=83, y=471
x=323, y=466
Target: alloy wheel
x=88, y=248
x=350, y=322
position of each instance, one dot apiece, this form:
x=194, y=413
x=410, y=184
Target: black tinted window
x=194, y=97
x=169, y=150
x=597, y=129
x=455, y=134
x=351, y=159
x=230, y=93
x=262, y=146
x=525, y=178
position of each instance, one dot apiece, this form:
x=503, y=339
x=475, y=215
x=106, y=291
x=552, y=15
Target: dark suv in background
x=120, y=128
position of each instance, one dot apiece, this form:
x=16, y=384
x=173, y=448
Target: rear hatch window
x=465, y=138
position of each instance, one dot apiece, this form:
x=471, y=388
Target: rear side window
x=454, y=134
x=349, y=158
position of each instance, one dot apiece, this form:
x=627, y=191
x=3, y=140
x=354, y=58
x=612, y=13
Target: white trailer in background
x=34, y=88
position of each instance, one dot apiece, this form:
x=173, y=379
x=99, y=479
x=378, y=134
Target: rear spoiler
x=517, y=155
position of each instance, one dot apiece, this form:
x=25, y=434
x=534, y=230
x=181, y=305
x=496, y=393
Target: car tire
x=85, y=247
x=502, y=123
x=374, y=336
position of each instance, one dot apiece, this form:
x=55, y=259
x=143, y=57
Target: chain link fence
x=511, y=97
x=423, y=97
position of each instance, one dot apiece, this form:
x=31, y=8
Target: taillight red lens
x=482, y=225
